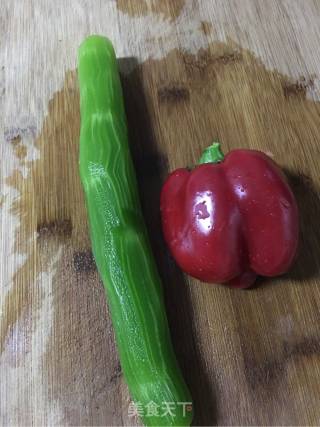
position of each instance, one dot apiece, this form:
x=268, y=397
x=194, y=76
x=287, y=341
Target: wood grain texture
x=170, y=10
x=245, y=73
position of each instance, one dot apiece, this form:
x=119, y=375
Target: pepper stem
x=212, y=154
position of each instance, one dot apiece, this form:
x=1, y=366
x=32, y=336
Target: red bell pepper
x=230, y=218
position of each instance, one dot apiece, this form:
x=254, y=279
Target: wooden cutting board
x=243, y=72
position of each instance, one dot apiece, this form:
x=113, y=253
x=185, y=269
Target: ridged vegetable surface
x=120, y=243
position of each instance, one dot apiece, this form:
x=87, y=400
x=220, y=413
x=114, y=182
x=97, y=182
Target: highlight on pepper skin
x=231, y=218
